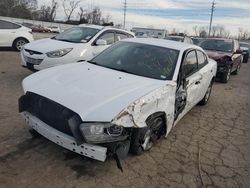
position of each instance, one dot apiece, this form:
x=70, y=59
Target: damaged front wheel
x=143, y=138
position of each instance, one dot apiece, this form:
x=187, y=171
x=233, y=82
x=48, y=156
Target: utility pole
x=124, y=14
x=211, y=18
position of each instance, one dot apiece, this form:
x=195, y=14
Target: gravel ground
x=219, y=132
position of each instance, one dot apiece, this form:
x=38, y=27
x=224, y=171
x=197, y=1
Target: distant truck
x=149, y=33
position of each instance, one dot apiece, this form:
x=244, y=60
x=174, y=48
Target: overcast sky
x=168, y=14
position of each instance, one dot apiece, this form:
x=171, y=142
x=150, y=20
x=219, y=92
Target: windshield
x=217, y=45
x=139, y=59
x=244, y=45
x=196, y=41
x=77, y=34
x=178, y=39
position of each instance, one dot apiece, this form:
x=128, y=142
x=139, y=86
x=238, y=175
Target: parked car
x=245, y=47
x=124, y=99
x=75, y=44
x=29, y=25
x=39, y=29
x=14, y=35
x=227, y=53
x=54, y=29
x=197, y=40
x=141, y=35
x=184, y=39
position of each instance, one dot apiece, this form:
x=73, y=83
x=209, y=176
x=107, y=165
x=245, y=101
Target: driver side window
x=109, y=37
x=190, y=64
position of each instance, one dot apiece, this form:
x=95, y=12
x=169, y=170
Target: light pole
x=124, y=16
x=211, y=18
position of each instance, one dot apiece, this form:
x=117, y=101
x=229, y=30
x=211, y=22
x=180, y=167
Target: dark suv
x=227, y=53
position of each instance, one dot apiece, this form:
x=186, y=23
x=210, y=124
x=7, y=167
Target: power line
x=211, y=18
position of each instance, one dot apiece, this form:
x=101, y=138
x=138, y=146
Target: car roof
x=175, y=36
x=104, y=28
x=163, y=43
x=116, y=29
x=223, y=39
x=91, y=26
x=244, y=43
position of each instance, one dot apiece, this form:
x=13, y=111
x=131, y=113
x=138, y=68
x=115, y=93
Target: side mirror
x=101, y=42
x=239, y=51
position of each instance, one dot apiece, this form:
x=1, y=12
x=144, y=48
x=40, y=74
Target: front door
x=109, y=37
x=191, y=84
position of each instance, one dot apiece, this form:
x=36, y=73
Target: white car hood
x=48, y=45
x=95, y=93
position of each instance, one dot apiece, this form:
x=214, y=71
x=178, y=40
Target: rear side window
x=202, y=59
x=8, y=25
x=120, y=36
x=190, y=65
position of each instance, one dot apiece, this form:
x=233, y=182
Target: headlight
x=58, y=53
x=102, y=132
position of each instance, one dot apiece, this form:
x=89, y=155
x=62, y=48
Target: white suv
x=14, y=35
x=76, y=44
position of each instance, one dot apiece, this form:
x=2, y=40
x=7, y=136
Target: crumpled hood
x=48, y=45
x=95, y=93
x=215, y=55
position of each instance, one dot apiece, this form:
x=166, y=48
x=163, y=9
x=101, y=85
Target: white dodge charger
x=124, y=99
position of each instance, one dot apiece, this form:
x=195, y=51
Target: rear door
x=205, y=72
x=7, y=33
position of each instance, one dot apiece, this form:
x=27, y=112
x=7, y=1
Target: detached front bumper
x=64, y=140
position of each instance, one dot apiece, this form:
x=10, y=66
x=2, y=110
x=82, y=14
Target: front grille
x=33, y=60
x=48, y=111
x=31, y=52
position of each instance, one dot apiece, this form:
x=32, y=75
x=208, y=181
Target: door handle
x=197, y=82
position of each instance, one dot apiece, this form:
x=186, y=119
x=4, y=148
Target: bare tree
x=107, y=19
x=47, y=13
x=93, y=16
x=243, y=34
x=18, y=8
x=69, y=7
x=81, y=14
x=195, y=28
x=202, y=32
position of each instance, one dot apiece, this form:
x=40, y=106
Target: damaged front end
x=223, y=64
x=64, y=127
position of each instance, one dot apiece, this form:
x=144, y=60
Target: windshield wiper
x=65, y=40
x=123, y=70
x=92, y=62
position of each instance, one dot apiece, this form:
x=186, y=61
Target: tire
x=143, y=138
x=245, y=58
x=19, y=43
x=207, y=94
x=236, y=72
x=226, y=75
